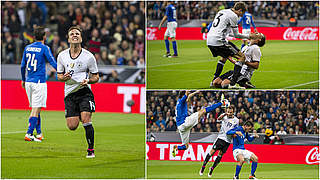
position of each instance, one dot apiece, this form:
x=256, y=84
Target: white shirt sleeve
x=93, y=68
x=256, y=54
x=235, y=31
x=60, y=67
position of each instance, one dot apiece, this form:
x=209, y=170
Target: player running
x=224, y=23
x=240, y=154
x=74, y=65
x=246, y=21
x=34, y=60
x=171, y=16
x=185, y=122
x=229, y=121
x=253, y=55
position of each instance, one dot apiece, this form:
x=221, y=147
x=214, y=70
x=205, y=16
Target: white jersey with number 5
x=222, y=25
x=78, y=68
x=226, y=125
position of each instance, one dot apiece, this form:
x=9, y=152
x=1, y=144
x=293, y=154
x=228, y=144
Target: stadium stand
x=284, y=112
x=112, y=31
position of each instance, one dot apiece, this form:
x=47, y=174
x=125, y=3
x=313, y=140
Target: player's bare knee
x=187, y=145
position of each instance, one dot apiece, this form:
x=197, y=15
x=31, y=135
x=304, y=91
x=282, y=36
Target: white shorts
x=246, y=154
x=246, y=31
x=37, y=94
x=171, y=29
x=184, y=129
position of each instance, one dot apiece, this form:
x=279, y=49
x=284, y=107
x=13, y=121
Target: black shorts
x=227, y=75
x=224, y=51
x=79, y=101
x=221, y=145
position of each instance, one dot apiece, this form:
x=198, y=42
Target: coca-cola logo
x=313, y=156
x=151, y=34
x=304, y=34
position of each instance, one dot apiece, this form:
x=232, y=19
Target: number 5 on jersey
x=32, y=61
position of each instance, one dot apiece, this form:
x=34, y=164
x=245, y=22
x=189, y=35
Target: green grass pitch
x=226, y=170
x=119, y=147
x=284, y=65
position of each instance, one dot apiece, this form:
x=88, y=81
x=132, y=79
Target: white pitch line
x=14, y=132
x=301, y=84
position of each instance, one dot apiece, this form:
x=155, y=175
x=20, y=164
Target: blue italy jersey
x=181, y=110
x=34, y=60
x=238, y=141
x=246, y=20
x=171, y=13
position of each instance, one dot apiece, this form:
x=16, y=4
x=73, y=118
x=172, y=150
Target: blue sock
x=242, y=45
x=253, y=167
x=167, y=45
x=182, y=147
x=174, y=45
x=213, y=107
x=32, y=124
x=38, y=126
x=238, y=169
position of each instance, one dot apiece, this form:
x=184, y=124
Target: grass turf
x=226, y=170
x=284, y=65
x=119, y=145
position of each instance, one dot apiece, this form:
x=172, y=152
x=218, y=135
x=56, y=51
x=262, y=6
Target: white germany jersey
x=226, y=125
x=253, y=54
x=78, y=68
x=222, y=25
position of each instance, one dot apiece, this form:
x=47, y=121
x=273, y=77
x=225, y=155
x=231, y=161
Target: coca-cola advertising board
x=271, y=33
x=108, y=97
x=284, y=154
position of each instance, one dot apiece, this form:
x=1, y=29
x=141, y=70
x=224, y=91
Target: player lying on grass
x=228, y=121
x=185, y=122
x=240, y=154
x=34, y=61
x=248, y=66
x=224, y=23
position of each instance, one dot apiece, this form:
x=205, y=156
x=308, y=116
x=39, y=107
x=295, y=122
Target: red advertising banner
x=272, y=33
x=287, y=154
x=108, y=97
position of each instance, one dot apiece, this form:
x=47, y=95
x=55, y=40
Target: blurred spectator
x=249, y=105
x=10, y=49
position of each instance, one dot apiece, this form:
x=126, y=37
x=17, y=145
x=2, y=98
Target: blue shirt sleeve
x=50, y=57
x=240, y=20
x=23, y=66
x=253, y=25
x=250, y=138
x=232, y=131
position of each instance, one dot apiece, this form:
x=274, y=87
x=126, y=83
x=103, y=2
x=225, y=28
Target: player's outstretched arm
x=191, y=95
x=50, y=58
x=221, y=116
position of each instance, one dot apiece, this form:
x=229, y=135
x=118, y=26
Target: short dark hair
x=181, y=94
x=248, y=123
x=39, y=33
x=240, y=5
x=231, y=107
x=262, y=41
x=74, y=27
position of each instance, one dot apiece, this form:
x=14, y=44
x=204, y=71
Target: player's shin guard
x=217, y=161
x=253, y=167
x=219, y=69
x=89, y=134
x=167, y=45
x=238, y=169
x=38, y=125
x=213, y=107
x=32, y=124
x=182, y=147
x=236, y=73
x=174, y=46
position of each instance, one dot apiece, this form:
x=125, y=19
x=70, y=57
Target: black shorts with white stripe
x=225, y=51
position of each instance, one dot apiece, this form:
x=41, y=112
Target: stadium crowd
x=283, y=112
x=271, y=10
x=112, y=31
